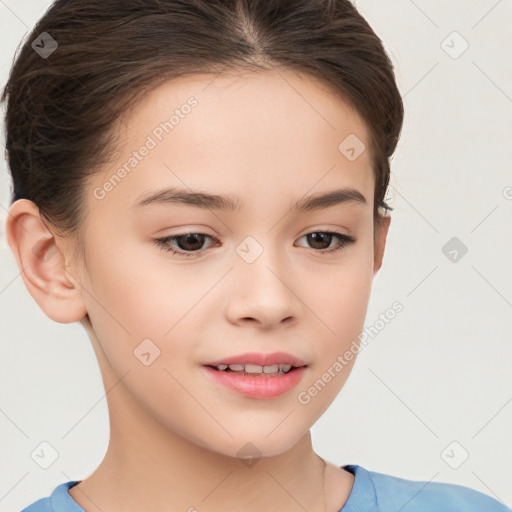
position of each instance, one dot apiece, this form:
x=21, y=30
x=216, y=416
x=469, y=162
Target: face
x=176, y=284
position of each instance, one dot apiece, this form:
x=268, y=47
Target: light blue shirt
x=371, y=492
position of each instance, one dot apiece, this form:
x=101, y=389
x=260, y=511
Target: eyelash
x=343, y=240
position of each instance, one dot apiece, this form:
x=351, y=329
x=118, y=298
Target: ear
x=381, y=233
x=43, y=264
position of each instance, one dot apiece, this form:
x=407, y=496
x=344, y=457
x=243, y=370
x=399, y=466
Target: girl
x=201, y=184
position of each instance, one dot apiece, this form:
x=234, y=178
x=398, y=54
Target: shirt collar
x=362, y=497
x=61, y=500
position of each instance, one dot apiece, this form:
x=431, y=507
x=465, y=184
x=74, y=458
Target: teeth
x=276, y=369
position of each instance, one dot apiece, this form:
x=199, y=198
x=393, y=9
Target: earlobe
x=381, y=233
x=42, y=264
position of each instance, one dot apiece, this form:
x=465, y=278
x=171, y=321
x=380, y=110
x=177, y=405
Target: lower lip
x=259, y=386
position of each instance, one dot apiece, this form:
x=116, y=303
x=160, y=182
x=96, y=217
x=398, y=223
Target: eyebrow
x=175, y=195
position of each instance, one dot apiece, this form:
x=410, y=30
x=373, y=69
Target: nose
x=263, y=292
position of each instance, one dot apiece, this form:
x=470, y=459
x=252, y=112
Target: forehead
x=238, y=132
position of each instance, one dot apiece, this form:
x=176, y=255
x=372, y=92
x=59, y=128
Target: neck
x=147, y=467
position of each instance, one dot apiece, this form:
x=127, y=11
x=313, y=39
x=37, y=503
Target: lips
x=261, y=359
x=257, y=386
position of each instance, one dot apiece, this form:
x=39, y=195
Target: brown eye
x=318, y=240
x=187, y=244
x=191, y=242
x=321, y=241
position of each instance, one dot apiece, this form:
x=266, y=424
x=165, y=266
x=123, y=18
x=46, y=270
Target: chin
x=246, y=447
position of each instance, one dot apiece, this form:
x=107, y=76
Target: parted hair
x=61, y=111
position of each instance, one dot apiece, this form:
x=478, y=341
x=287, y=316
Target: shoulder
x=58, y=501
x=394, y=493
x=42, y=505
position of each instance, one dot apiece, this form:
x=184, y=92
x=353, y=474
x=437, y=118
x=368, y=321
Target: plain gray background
x=430, y=396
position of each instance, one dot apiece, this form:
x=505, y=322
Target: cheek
x=148, y=313
x=339, y=293
x=139, y=297
x=132, y=310
x=342, y=310
x=348, y=304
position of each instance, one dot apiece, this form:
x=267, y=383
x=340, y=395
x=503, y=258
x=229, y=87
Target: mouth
x=257, y=381
x=256, y=370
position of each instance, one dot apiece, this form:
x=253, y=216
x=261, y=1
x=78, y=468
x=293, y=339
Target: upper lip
x=261, y=359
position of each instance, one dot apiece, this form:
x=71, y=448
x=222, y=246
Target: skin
x=270, y=138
